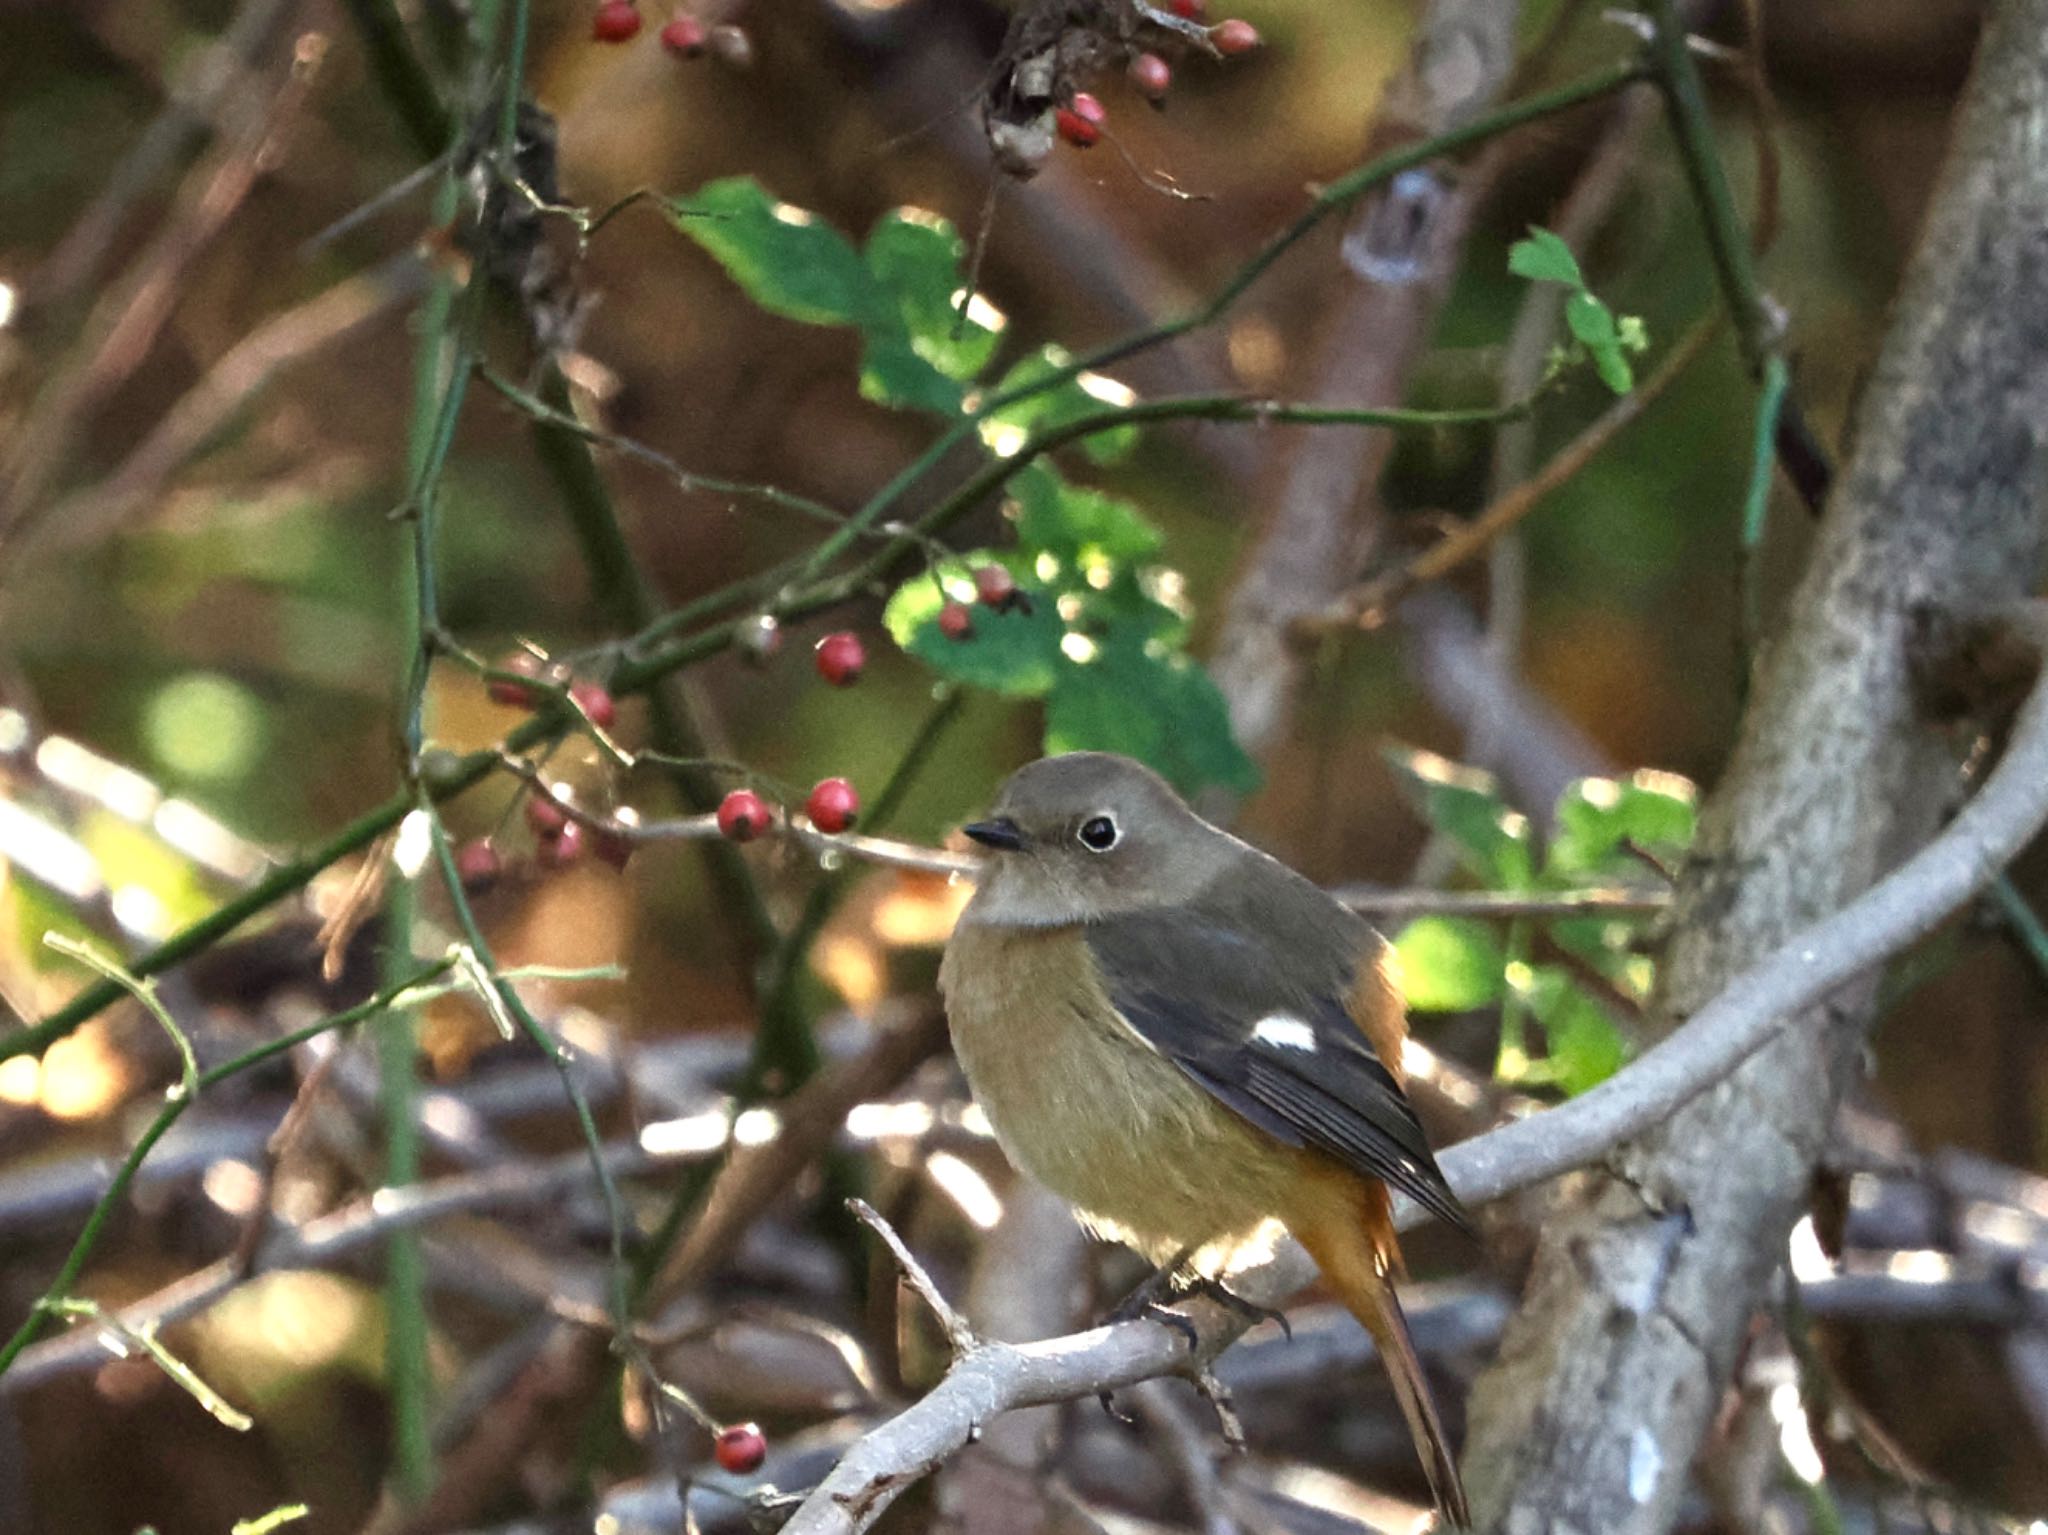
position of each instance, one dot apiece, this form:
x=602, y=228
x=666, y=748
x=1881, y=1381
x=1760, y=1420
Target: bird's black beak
x=1001, y=834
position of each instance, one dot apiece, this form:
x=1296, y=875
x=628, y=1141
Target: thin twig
x=285, y=341
x=958, y=1334
x=1503, y=905
x=1367, y=606
x=128, y=319
x=194, y=1083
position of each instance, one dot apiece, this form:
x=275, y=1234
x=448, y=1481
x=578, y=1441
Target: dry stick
x=888, y=852
x=1367, y=607
x=806, y=1123
x=193, y=102
x=127, y=321
x=745, y=1189
x=329, y=319
x=958, y=1333
x=182, y=1099
x=1747, y=1014
x=330, y=1238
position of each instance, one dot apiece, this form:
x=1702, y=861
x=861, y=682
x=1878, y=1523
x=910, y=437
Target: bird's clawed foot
x=1216, y=1290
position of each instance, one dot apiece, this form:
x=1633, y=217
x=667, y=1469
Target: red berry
x=840, y=657
x=515, y=694
x=595, y=702
x=615, y=22
x=1080, y=121
x=1151, y=76
x=743, y=815
x=564, y=847
x=955, y=622
x=740, y=1448
x=732, y=45
x=1234, y=37
x=478, y=863
x=832, y=805
x=1076, y=130
x=1190, y=10
x=544, y=813
x=995, y=586
x=684, y=37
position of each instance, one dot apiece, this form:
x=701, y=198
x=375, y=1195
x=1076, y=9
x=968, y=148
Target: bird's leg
x=1145, y=1303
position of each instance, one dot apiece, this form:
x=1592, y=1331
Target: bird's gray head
x=1088, y=835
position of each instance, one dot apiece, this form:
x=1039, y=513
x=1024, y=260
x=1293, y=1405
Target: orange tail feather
x=1353, y=1257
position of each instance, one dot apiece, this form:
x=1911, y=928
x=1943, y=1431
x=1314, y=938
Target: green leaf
x=1126, y=694
x=1597, y=817
x=1585, y=1048
x=1077, y=525
x=1462, y=804
x=788, y=261
x=916, y=256
x=793, y=264
x=1544, y=257
x=1015, y=653
x=1449, y=964
x=1087, y=395
x=1593, y=324
x=893, y=373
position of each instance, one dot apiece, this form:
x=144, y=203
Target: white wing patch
x=1284, y=1032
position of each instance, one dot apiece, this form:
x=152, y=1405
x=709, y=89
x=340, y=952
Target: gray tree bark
x=1644, y=1281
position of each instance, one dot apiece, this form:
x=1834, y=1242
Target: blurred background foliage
x=232, y=631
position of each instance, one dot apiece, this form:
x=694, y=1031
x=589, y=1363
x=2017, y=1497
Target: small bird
x=1193, y=1045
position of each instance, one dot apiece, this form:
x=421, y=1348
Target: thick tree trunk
x=1644, y=1281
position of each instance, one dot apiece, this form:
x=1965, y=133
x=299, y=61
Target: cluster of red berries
x=592, y=699
x=1080, y=121
x=559, y=840
x=618, y=21
x=832, y=806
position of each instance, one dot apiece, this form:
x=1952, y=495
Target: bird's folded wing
x=1260, y=1022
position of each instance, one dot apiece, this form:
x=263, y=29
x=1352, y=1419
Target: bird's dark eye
x=1098, y=834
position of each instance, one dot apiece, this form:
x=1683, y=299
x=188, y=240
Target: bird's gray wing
x=1256, y=1014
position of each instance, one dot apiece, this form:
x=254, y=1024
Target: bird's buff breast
x=1082, y=1104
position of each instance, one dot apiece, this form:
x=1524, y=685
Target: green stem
x=407, y=1364
x=124, y=1176
x=514, y=1006
x=398, y=69
x=784, y=1044
x=1692, y=126
x=2023, y=920
x=1756, y=504
x=1334, y=198
x=440, y=375
x=623, y=595
x=686, y=479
